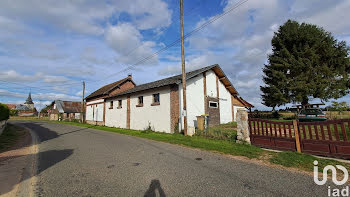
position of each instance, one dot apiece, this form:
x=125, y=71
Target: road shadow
x=52, y=157
x=46, y=160
x=153, y=187
x=45, y=134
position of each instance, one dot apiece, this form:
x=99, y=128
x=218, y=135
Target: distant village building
x=65, y=110
x=158, y=104
x=26, y=109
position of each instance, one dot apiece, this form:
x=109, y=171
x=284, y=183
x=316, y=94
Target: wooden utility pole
x=83, y=105
x=183, y=68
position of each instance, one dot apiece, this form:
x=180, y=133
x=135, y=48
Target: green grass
x=10, y=136
x=222, y=146
x=288, y=159
x=302, y=161
x=226, y=131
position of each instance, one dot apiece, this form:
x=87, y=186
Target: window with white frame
x=213, y=104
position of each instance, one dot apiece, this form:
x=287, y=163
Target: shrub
x=265, y=115
x=13, y=112
x=4, y=112
x=148, y=129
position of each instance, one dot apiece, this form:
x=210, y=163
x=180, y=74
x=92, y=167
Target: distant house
x=26, y=109
x=95, y=103
x=63, y=110
x=158, y=104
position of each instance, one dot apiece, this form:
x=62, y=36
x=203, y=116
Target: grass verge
x=223, y=146
x=303, y=161
x=10, y=136
x=299, y=161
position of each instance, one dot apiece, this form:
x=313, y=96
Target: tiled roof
x=11, y=106
x=68, y=106
x=107, y=88
x=167, y=81
x=245, y=103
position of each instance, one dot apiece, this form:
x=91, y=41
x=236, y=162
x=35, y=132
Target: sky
x=50, y=47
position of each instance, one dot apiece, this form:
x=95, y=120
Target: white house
x=95, y=103
x=159, y=104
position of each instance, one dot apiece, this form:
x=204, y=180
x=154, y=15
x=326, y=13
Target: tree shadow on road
x=46, y=134
x=52, y=157
x=155, y=185
x=46, y=160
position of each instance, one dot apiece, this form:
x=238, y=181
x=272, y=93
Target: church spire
x=29, y=99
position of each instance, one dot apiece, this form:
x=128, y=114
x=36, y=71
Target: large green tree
x=306, y=62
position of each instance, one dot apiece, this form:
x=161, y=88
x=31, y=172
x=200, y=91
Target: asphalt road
x=75, y=161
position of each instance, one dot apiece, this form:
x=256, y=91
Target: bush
x=13, y=112
x=265, y=115
x=4, y=112
x=276, y=115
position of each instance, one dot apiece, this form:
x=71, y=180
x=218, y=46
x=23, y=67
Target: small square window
x=119, y=104
x=156, y=98
x=111, y=105
x=213, y=104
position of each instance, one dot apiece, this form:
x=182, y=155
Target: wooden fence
x=328, y=138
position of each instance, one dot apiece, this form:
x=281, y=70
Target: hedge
x=4, y=112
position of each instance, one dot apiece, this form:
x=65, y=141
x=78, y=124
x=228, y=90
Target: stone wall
x=242, y=126
x=2, y=125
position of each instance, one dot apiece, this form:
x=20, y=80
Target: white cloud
x=38, y=96
x=126, y=40
x=334, y=19
x=80, y=93
x=87, y=17
x=14, y=76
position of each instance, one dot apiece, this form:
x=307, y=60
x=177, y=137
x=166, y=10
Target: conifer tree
x=306, y=62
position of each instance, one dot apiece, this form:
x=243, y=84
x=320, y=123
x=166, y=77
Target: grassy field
x=288, y=159
x=10, y=136
x=331, y=115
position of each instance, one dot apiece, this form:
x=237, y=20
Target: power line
x=162, y=49
x=179, y=39
x=188, y=12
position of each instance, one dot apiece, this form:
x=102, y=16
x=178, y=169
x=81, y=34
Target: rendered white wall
x=225, y=103
x=194, y=98
x=98, y=115
x=91, y=108
x=211, y=83
x=89, y=112
x=157, y=116
x=116, y=117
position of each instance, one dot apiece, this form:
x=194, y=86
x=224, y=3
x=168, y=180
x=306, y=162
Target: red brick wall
x=128, y=113
x=174, y=107
x=125, y=86
x=214, y=113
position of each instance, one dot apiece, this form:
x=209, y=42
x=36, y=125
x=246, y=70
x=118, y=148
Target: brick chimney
x=130, y=76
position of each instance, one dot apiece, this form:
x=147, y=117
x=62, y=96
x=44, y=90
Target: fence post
x=297, y=138
x=242, y=127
